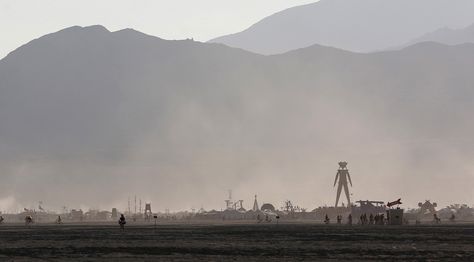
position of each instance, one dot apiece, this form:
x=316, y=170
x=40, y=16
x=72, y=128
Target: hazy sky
x=24, y=20
x=211, y=119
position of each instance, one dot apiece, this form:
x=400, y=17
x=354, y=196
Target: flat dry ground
x=237, y=242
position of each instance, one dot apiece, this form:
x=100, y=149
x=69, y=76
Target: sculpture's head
x=343, y=164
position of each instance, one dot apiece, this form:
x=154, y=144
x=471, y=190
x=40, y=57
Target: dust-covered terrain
x=238, y=242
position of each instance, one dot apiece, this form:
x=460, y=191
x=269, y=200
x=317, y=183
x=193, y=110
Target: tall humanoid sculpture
x=343, y=175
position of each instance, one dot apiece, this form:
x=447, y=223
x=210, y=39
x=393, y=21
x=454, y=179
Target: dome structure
x=267, y=206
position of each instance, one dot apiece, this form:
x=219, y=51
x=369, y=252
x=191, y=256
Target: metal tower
x=255, y=204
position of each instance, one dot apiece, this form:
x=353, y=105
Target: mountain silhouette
x=447, y=36
x=360, y=26
x=88, y=115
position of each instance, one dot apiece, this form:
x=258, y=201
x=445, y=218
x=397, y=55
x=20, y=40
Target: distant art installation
x=342, y=175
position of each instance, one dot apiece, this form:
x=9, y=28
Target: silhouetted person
x=122, y=222
x=1, y=219
x=343, y=175
x=436, y=219
x=267, y=218
x=28, y=220
x=59, y=220
x=371, y=219
x=452, y=218
x=339, y=219
x=327, y=220
x=349, y=219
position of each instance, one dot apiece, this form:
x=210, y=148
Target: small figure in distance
x=371, y=219
x=452, y=218
x=327, y=220
x=267, y=219
x=28, y=220
x=436, y=219
x=339, y=219
x=59, y=220
x=349, y=220
x=406, y=221
x=122, y=222
x=259, y=219
x=1, y=220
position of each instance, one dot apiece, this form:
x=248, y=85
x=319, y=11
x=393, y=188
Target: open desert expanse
x=237, y=242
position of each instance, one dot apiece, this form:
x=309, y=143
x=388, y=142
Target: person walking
x=122, y=222
x=327, y=220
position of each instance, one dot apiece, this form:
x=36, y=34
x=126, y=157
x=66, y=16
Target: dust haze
x=91, y=117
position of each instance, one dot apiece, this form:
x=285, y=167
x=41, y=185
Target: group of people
x=267, y=219
x=29, y=220
x=327, y=220
x=378, y=219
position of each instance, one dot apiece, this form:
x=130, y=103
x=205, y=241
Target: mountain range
x=447, y=36
x=88, y=116
x=353, y=25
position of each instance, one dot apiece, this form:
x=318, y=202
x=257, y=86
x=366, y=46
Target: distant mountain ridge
x=353, y=25
x=88, y=115
x=447, y=36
